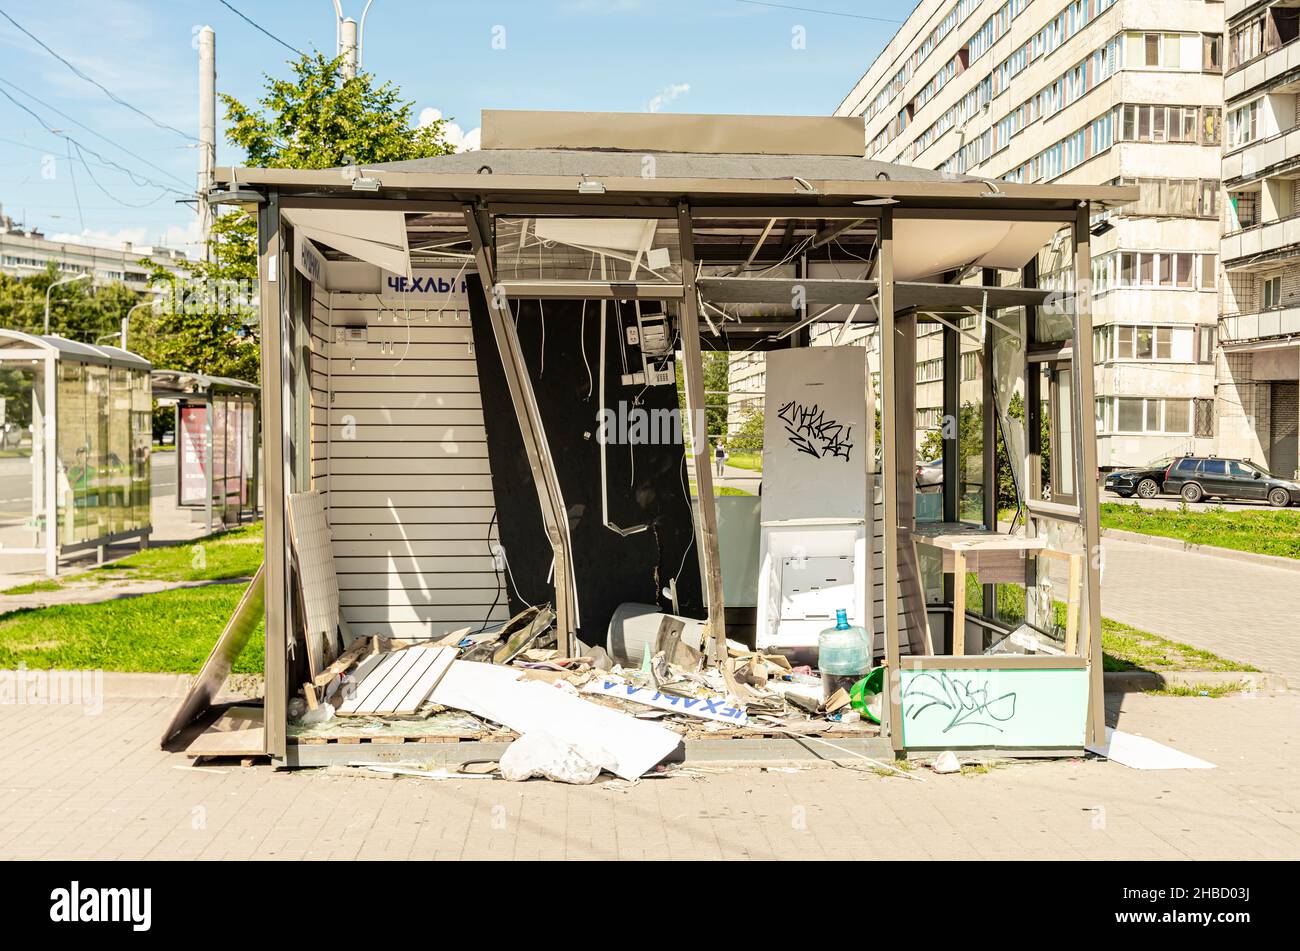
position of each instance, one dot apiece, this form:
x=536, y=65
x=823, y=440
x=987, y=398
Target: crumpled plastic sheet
x=542, y=754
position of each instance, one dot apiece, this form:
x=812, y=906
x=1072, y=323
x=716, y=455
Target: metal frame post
x=209, y=459
x=276, y=398
x=1085, y=428
x=989, y=278
x=693, y=376
x=549, y=497
x=51, y=439
x=891, y=720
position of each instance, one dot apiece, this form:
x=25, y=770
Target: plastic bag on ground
x=542, y=754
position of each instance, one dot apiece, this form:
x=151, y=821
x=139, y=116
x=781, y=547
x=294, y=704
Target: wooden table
x=961, y=540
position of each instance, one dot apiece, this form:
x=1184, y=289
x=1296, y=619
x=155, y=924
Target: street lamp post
x=66, y=280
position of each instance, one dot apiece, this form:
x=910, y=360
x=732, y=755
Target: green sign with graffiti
x=951, y=709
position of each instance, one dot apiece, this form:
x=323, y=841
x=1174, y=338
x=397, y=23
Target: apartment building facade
x=1259, y=329
x=24, y=253
x=1095, y=92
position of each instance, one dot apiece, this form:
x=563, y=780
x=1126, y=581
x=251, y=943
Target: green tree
x=717, y=385
x=319, y=119
x=316, y=118
x=748, y=437
x=970, y=436
x=205, y=318
x=78, y=311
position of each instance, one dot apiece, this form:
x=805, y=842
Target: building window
x=1205, y=341
x=1272, y=293
x=1212, y=58
x=1148, y=342
x=1246, y=209
x=1124, y=414
x=1204, y=410
x=1243, y=125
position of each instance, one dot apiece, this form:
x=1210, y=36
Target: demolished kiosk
x=445, y=342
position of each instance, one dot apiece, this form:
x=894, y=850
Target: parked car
x=1208, y=477
x=1146, y=482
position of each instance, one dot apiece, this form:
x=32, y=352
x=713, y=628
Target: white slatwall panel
x=400, y=454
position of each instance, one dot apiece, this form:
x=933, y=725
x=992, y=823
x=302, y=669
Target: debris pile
x=573, y=717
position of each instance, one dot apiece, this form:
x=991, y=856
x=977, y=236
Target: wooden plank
x=237, y=732
x=958, y=603
x=1072, y=605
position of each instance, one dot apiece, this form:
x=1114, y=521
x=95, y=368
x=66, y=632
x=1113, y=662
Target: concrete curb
x=1177, y=544
x=117, y=685
x=1137, y=681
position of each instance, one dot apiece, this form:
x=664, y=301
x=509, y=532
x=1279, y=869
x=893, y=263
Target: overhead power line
x=137, y=179
x=94, y=82
x=261, y=29
x=829, y=13
x=98, y=135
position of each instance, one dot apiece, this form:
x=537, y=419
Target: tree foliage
x=207, y=318
x=748, y=436
x=970, y=437
x=319, y=119
x=78, y=311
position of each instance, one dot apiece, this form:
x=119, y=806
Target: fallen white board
x=494, y=693
x=1138, y=752
x=712, y=707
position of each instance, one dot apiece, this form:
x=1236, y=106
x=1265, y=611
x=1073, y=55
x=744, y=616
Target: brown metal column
x=275, y=397
x=549, y=497
x=693, y=375
x=1085, y=426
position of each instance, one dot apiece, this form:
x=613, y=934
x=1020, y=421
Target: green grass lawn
x=172, y=632
x=1265, y=532
x=746, y=460
x=232, y=554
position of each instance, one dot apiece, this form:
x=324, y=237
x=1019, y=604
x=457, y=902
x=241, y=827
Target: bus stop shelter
x=81, y=418
x=439, y=335
x=217, y=439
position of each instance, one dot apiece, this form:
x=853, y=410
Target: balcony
x=1262, y=158
x=1246, y=328
x=1268, y=242
x=1265, y=70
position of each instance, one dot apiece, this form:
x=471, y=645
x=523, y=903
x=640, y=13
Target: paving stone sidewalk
x=97, y=787
x=1243, y=611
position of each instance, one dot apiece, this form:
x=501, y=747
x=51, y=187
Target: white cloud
x=461, y=140
x=667, y=95
x=185, y=237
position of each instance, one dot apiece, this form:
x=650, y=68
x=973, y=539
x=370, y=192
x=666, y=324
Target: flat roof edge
x=690, y=189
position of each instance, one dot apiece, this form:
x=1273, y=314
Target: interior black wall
x=646, y=487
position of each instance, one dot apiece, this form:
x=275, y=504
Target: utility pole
x=348, y=47
x=207, y=128
x=349, y=37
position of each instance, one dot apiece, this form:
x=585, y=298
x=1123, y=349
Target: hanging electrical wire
x=137, y=179
x=94, y=82
x=262, y=29
x=99, y=135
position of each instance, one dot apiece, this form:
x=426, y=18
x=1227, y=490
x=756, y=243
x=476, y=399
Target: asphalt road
x=16, y=483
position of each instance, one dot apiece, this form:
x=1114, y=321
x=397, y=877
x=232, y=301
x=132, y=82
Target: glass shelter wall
x=102, y=481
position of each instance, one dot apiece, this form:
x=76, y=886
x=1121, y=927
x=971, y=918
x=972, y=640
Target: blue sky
x=601, y=55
